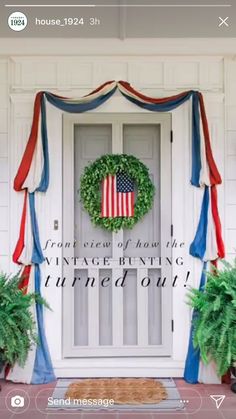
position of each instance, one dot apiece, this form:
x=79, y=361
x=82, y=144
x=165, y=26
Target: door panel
x=154, y=308
x=81, y=309
x=143, y=142
x=105, y=309
x=90, y=143
x=130, y=309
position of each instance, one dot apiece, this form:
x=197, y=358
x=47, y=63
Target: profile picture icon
x=17, y=401
x=17, y=21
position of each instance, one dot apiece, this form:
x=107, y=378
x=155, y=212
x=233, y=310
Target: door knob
x=55, y=224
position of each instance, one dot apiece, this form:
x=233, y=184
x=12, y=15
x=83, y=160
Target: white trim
x=141, y=368
x=114, y=47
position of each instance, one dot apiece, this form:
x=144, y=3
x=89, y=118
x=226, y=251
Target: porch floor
x=199, y=405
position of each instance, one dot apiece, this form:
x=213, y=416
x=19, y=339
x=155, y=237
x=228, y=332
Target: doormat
x=130, y=394
x=121, y=390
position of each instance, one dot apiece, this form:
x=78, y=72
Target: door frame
x=117, y=120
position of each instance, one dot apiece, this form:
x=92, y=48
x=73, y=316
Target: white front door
x=134, y=320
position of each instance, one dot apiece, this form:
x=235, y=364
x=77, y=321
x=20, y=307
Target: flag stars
x=124, y=183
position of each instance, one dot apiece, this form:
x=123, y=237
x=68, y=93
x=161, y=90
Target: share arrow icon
x=218, y=399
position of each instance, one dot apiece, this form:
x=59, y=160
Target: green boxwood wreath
x=110, y=164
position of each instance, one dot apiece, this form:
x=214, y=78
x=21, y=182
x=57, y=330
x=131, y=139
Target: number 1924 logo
x=17, y=21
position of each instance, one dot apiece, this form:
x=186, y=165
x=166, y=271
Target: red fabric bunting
x=21, y=241
x=25, y=279
x=100, y=87
x=30, y=147
x=215, y=177
x=148, y=98
x=216, y=217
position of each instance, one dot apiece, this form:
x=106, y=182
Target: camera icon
x=17, y=401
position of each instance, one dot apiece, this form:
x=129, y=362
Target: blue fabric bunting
x=192, y=362
x=78, y=107
x=160, y=107
x=37, y=256
x=198, y=246
x=43, y=369
x=43, y=186
x=196, y=141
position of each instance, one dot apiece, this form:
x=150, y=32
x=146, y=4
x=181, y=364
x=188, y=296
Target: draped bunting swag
x=33, y=177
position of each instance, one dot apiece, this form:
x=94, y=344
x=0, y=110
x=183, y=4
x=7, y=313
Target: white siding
x=74, y=73
x=4, y=167
x=230, y=161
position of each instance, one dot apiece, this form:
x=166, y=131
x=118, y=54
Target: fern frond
x=214, y=323
x=18, y=331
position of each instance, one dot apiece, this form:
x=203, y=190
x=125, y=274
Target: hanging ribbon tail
x=216, y=217
x=208, y=243
x=192, y=363
x=37, y=254
x=43, y=369
x=21, y=241
x=28, y=249
x=198, y=246
x=208, y=246
x=25, y=275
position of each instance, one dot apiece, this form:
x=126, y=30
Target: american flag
x=118, y=196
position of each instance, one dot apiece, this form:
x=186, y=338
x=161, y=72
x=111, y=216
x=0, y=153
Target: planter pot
x=233, y=387
x=2, y=364
x=233, y=371
x=1, y=368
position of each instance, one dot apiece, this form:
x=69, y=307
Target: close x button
x=223, y=21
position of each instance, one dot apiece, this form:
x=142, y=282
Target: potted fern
x=215, y=323
x=17, y=326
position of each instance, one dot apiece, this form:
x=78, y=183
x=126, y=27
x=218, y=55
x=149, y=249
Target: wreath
x=111, y=164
